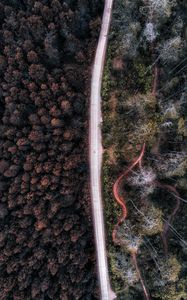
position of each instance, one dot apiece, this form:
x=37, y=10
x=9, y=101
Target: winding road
x=95, y=155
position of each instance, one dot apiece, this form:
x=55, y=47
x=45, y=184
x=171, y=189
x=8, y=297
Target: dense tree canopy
x=46, y=238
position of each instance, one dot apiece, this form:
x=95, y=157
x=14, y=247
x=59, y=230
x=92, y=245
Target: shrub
x=150, y=32
x=123, y=267
x=152, y=222
x=129, y=239
x=160, y=8
x=171, y=49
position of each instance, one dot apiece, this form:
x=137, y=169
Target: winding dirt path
x=95, y=155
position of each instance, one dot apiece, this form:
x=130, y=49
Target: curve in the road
x=95, y=155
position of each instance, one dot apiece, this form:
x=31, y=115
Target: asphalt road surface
x=95, y=155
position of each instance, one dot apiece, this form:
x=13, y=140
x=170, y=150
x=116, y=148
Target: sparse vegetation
x=150, y=108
